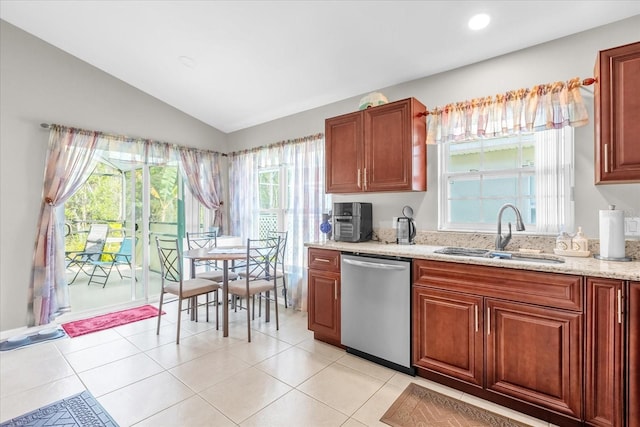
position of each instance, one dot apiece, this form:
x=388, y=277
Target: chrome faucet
x=501, y=242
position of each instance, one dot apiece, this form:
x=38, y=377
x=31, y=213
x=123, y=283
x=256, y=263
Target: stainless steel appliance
x=405, y=227
x=376, y=309
x=352, y=222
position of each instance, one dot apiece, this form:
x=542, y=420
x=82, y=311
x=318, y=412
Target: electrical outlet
x=395, y=222
x=632, y=226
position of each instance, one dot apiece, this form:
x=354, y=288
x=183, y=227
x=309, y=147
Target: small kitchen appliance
x=405, y=227
x=352, y=222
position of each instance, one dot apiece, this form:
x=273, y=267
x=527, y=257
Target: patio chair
x=125, y=255
x=259, y=277
x=173, y=283
x=89, y=260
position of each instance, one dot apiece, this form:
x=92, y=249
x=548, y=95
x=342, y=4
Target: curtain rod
x=110, y=135
x=278, y=144
x=586, y=82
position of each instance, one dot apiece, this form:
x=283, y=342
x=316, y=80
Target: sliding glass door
x=138, y=200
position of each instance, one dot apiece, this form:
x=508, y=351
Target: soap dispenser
x=580, y=242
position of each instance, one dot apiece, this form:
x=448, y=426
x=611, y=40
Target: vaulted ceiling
x=236, y=64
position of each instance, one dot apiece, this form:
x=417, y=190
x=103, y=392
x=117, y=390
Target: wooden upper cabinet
x=633, y=355
x=617, y=109
x=378, y=149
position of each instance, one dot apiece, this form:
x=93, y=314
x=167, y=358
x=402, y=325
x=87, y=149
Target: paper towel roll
x=612, y=233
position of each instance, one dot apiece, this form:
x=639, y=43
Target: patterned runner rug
x=80, y=410
x=419, y=406
x=110, y=320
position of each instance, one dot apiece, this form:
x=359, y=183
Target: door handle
x=377, y=265
x=606, y=158
x=488, y=321
x=365, y=178
x=619, y=305
x=358, y=177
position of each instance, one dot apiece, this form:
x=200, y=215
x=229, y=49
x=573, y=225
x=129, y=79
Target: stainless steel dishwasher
x=376, y=309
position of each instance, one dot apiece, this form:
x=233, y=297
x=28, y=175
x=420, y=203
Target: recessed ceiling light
x=187, y=61
x=479, y=21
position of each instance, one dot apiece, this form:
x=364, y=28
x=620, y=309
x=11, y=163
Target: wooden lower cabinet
x=324, y=295
x=466, y=328
x=604, y=355
x=535, y=354
x=459, y=352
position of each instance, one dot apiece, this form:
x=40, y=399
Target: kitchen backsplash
x=487, y=241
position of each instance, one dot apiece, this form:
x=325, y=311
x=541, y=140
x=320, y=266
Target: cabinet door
x=535, y=354
x=633, y=355
x=447, y=335
x=394, y=147
x=603, y=364
x=617, y=108
x=344, y=153
x=324, y=303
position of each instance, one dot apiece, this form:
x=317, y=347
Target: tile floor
x=281, y=378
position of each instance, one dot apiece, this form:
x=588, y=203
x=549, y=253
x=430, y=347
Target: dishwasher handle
x=378, y=265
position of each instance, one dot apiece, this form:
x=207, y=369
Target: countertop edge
x=587, y=266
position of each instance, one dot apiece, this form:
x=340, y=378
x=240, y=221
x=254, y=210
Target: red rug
x=111, y=320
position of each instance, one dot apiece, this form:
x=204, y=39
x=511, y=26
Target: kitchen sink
x=507, y=256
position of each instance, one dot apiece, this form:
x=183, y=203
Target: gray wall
x=563, y=59
x=39, y=83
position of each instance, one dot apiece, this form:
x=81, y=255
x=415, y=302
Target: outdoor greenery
x=105, y=196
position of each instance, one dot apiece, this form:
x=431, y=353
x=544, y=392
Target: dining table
x=224, y=254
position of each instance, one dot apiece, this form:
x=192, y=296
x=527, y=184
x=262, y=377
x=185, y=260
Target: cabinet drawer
x=546, y=289
x=324, y=259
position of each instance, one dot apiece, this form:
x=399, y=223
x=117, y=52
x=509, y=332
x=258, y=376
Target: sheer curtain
x=71, y=157
x=201, y=172
x=303, y=159
x=70, y=160
x=554, y=180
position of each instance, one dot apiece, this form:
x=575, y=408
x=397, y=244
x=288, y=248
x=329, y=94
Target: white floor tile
x=112, y=376
x=294, y=365
x=102, y=354
x=140, y=400
x=282, y=378
x=245, y=393
x=294, y=407
x=194, y=411
x=342, y=388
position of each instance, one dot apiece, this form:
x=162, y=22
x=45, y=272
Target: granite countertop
x=587, y=266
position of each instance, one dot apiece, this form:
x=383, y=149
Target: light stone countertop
x=587, y=266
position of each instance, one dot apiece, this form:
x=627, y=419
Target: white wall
x=40, y=83
x=563, y=59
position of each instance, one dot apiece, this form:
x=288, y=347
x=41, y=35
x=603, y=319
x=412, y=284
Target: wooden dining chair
x=171, y=271
x=259, y=277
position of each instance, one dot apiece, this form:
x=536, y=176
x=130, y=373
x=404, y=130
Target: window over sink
x=533, y=171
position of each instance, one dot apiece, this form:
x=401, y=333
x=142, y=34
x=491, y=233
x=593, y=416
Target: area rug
x=80, y=410
x=419, y=406
x=111, y=320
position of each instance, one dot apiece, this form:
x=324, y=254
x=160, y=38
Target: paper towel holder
x=622, y=259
